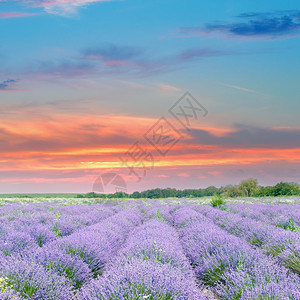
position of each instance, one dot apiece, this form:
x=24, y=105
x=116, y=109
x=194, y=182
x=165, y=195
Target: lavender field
x=164, y=249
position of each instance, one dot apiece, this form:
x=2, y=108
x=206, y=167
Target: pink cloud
x=13, y=90
x=168, y=87
x=15, y=14
x=183, y=175
x=115, y=63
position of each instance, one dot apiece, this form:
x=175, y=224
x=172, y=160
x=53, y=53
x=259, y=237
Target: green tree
x=231, y=191
x=285, y=189
x=136, y=195
x=249, y=187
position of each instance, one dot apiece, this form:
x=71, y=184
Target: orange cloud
x=86, y=141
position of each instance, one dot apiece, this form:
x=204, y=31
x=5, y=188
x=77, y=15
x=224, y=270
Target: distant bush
x=217, y=201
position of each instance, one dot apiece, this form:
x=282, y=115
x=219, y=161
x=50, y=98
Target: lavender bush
x=228, y=264
x=275, y=241
x=151, y=265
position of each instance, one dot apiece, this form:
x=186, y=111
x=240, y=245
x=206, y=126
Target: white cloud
x=60, y=7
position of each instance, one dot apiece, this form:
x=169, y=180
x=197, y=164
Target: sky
x=168, y=93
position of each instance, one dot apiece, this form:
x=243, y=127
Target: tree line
x=247, y=188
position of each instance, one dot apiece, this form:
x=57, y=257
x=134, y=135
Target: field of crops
x=149, y=250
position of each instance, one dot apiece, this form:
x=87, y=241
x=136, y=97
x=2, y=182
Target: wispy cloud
x=112, y=52
x=239, y=88
x=62, y=68
x=118, y=61
x=66, y=7
x=113, y=55
x=108, y=60
x=15, y=14
x=196, y=53
x=168, y=87
x=271, y=25
x=58, y=7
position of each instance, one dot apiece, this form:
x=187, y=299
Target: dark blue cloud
x=112, y=52
x=199, y=53
x=62, y=68
x=271, y=25
x=7, y=84
x=244, y=136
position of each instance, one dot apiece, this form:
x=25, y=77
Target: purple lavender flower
x=220, y=258
x=32, y=281
x=72, y=268
x=150, y=265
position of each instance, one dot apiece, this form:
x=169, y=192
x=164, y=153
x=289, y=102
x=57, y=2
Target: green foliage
x=280, y=189
x=293, y=262
x=57, y=214
x=256, y=241
x=25, y=289
x=214, y=275
x=4, y=284
x=217, y=201
x=91, y=195
x=159, y=215
x=249, y=187
x=87, y=258
x=291, y=226
x=56, y=230
x=66, y=271
x=40, y=239
x=275, y=250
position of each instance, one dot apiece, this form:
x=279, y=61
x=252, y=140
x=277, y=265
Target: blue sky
x=86, y=61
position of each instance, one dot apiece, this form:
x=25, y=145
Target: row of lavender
x=33, y=225
x=228, y=264
x=283, y=245
x=150, y=265
x=284, y=216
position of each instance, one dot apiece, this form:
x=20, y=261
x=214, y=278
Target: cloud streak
x=272, y=25
x=112, y=52
x=15, y=14
x=239, y=88
x=58, y=7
